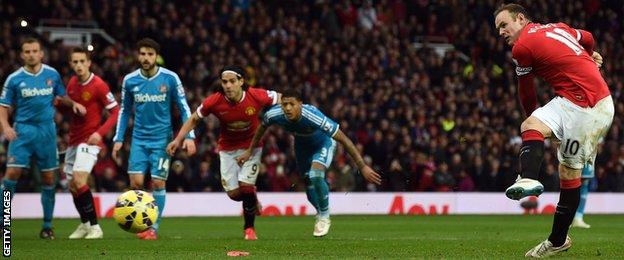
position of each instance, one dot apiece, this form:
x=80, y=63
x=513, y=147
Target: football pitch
x=384, y=237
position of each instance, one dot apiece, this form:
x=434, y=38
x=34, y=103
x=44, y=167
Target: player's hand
x=189, y=146
x=116, y=147
x=10, y=133
x=94, y=139
x=597, y=59
x=79, y=109
x=243, y=157
x=370, y=175
x=173, y=147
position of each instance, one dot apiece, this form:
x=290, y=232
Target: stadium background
x=428, y=122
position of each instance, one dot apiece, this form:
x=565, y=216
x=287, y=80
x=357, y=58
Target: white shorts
x=80, y=158
x=231, y=173
x=578, y=129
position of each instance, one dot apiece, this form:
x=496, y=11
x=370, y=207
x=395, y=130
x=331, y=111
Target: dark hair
x=80, y=50
x=292, y=93
x=148, y=43
x=513, y=9
x=29, y=40
x=236, y=69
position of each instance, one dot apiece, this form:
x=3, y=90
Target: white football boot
x=321, y=227
x=524, y=187
x=578, y=222
x=95, y=232
x=546, y=249
x=81, y=231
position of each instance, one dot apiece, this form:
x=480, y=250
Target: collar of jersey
x=33, y=74
x=241, y=100
x=152, y=77
x=88, y=80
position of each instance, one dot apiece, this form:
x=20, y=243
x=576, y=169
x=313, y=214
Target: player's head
x=80, y=61
x=31, y=52
x=509, y=20
x=291, y=104
x=148, y=52
x=232, y=82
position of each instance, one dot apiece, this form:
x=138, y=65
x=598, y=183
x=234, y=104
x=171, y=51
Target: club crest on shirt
x=250, y=111
x=163, y=88
x=86, y=96
x=49, y=82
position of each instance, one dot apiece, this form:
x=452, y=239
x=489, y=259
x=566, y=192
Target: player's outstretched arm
x=189, y=125
x=76, y=107
x=367, y=172
x=254, y=142
x=8, y=131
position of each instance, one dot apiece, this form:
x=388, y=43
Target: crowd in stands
x=426, y=120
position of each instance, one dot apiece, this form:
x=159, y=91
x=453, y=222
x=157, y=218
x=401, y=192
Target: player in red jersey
x=237, y=108
x=577, y=117
x=85, y=138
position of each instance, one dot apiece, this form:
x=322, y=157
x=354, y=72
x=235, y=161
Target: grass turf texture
x=500, y=237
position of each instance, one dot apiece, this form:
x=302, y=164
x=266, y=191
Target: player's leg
x=534, y=130
x=86, y=156
x=68, y=168
x=46, y=157
x=229, y=169
x=247, y=187
x=138, y=163
x=159, y=169
x=580, y=131
x=303, y=157
x=321, y=160
x=586, y=175
x=18, y=157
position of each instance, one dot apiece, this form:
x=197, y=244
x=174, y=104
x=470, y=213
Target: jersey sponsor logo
x=33, y=92
x=143, y=98
x=86, y=96
x=521, y=71
x=250, y=111
x=238, y=126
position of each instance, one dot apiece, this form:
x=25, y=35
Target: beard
x=147, y=66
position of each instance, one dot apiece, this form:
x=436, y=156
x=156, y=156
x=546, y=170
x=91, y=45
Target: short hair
x=148, y=43
x=514, y=10
x=29, y=40
x=80, y=50
x=292, y=93
x=240, y=73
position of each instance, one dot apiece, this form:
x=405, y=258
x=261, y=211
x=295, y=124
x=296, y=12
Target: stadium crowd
x=427, y=120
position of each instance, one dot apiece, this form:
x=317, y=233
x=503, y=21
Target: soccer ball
x=135, y=211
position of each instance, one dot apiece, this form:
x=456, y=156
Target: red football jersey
x=555, y=53
x=94, y=95
x=238, y=121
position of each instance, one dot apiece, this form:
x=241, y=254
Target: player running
x=150, y=92
x=31, y=91
x=85, y=138
x=237, y=107
x=578, y=116
x=315, y=144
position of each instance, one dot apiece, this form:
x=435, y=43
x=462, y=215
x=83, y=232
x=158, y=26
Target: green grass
x=500, y=237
